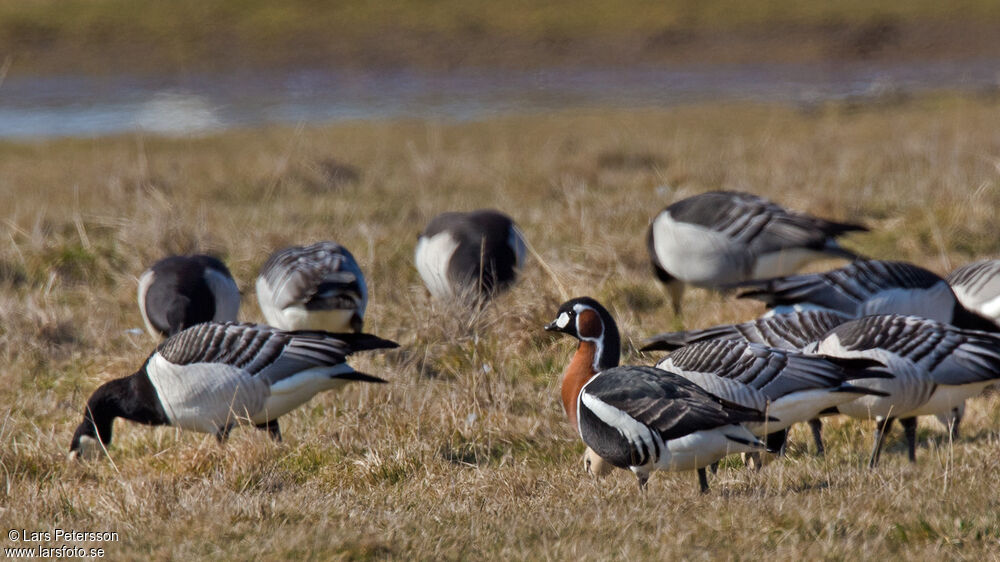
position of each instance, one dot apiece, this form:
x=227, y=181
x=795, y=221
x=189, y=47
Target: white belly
x=784, y=262
x=288, y=394
x=946, y=397
x=702, y=448
x=799, y=407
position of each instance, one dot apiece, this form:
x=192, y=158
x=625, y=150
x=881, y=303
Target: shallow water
x=92, y=106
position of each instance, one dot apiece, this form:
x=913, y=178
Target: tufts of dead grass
x=466, y=453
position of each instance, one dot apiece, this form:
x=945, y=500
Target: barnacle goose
x=722, y=237
x=317, y=287
x=936, y=367
x=790, y=386
x=870, y=287
x=213, y=376
x=977, y=286
x=469, y=255
x=178, y=292
x=792, y=331
x=642, y=418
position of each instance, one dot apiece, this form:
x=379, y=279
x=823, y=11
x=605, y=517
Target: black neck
x=611, y=345
x=132, y=397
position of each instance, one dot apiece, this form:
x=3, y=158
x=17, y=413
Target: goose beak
x=551, y=327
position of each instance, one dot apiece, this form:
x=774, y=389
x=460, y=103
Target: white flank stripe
x=634, y=431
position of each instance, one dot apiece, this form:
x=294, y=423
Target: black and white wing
x=773, y=372
x=264, y=352
x=310, y=287
x=863, y=287
x=951, y=356
x=664, y=402
x=977, y=287
x=784, y=331
x=761, y=224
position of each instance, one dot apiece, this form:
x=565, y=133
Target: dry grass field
x=467, y=454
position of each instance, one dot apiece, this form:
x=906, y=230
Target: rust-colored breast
x=579, y=371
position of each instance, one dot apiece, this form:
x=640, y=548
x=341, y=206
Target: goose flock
x=874, y=340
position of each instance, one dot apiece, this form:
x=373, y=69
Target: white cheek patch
x=563, y=320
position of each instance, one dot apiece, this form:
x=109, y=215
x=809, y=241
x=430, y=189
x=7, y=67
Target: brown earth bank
x=29, y=48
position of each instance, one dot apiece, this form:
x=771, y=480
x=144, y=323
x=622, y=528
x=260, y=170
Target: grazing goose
x=317, y=287
x=467, y=255
x=180, y=291
x=792, y=331
x=936, y=367
x=870, y=287
x=212, y=376
x=642, y=418
x=790, y=386
x=977, y=286
x=723, y=237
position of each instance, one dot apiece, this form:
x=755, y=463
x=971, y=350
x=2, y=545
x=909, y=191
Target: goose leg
x=222, y=435
x=910, y=431
x=816, y=425
x=676, y=290
x=272, y=429
x=703, y=480
x=956, y=418
x=881, y=428
x=777, y=442
x=714, y=467
x=643, y=478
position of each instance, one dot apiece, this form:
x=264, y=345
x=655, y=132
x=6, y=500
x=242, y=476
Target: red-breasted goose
x=643, y=418
x=719, y=238
x=936, y=367
x=977, y=286
x=469, y=255
x=212, y=377
x=178, y=292
x=316, y=287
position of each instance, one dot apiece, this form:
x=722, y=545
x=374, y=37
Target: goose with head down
x=316, y=287
x=211, y=377
x=936, y=367
x=470, y=256
x=718, y=238
x=178, y=292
